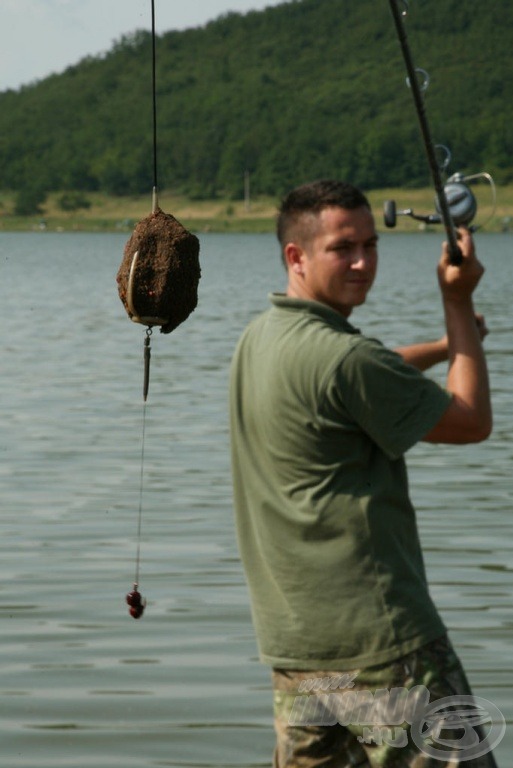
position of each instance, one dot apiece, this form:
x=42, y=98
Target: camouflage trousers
x=376, y=717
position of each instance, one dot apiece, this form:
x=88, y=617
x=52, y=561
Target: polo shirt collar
x=282, y=301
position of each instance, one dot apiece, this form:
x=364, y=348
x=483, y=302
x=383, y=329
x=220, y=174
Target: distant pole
x=247, y=201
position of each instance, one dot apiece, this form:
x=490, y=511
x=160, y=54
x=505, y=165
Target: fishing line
x=154, y=103
x=417, y=90
x=141, y=492
x=158, y=285
x=136, y=603
x=134, y=599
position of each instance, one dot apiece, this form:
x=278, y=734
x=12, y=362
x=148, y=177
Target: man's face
x=337, y=265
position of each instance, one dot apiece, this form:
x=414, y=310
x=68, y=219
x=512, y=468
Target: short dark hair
x=312, y=198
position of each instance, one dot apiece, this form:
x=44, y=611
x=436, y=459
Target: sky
x=41, y=37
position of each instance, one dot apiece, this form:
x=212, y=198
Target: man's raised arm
x=468, y=419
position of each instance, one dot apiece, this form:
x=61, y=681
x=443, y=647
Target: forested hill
x=306, y=89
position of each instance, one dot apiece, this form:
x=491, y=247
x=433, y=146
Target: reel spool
x=461, y=200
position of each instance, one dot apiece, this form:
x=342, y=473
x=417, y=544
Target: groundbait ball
x=160, y=271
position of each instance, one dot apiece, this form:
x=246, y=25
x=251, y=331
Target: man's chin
x=346, y=309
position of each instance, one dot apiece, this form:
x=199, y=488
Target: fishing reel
x=460, y=199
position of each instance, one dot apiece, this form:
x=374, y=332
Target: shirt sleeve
x=393, y=402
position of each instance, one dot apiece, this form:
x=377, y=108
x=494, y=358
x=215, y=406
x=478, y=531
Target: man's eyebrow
x=350, y=241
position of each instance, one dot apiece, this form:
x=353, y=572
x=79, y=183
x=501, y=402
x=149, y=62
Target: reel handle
x=390, y=213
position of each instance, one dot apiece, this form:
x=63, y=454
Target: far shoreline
x=120, y=214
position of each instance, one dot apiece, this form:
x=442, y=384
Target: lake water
x=82, y=684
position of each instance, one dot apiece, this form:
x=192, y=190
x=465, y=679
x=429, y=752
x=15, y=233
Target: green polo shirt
x=320, y=420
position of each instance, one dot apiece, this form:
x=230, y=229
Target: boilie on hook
x=136, y=602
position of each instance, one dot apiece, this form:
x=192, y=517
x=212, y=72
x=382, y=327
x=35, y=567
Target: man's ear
x=294, y=257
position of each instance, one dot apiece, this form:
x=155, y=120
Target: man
x=321, y=418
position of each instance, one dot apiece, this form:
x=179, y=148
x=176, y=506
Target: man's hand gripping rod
x=416, y=89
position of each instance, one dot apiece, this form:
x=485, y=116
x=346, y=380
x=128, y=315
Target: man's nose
x=359, y=257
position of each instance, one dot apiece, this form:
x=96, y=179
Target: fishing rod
x=456, y=204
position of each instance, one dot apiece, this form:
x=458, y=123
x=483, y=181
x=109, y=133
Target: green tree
x=29, y=200
x=272, y=93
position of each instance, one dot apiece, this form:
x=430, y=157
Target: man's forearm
x=429, y=353
x=468, y=417
x=425, y=354
x=467, y=377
